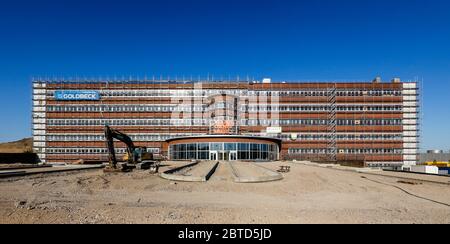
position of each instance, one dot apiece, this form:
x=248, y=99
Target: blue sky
x=285, y=40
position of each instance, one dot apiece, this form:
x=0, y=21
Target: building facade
x=376, y=122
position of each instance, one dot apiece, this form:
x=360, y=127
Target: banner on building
x=77, y=95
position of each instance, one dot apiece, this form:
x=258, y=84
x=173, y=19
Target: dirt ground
x=308, y=194
x=24, y=145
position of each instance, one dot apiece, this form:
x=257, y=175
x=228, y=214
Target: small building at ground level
x=224, y=147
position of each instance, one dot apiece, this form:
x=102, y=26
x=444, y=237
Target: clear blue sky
x=285, y=40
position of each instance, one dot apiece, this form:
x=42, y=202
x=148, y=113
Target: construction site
x=308, y=193
x=222, y=152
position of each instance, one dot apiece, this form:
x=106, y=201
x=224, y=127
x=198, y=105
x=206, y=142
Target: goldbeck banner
x=77, y=95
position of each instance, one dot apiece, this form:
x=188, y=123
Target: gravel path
x=251, y=172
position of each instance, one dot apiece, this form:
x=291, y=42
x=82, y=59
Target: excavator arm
x=110, y=135
x=138, y=157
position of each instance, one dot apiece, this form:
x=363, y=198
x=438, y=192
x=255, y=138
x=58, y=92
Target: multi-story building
x=376, y=122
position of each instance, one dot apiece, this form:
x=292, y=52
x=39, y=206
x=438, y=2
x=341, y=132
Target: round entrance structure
x=224, y=148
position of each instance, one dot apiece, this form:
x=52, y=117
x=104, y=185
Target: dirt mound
x=22, y=146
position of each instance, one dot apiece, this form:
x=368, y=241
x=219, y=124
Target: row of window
x=315, y=108
x=136, y=138
x=246, y=148
x=201, y=108
x=205, y=122
x=208, y=92
x=224, y=105
x=164, y=137
x=224, y=151
x=342, y=93
x=165, y=93
x=220, y=146
x=346, y=137
x=127, y=122
x=344, y=122
x=92, y=150
x=126, y=108
x=346, y=151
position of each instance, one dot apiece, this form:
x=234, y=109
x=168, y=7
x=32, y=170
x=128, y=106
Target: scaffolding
x=331, y=124
x=347, y=108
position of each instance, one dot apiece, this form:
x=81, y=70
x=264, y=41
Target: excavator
x=136, y=157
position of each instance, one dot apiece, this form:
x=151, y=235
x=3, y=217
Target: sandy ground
x=24, y=145
x=307, y=195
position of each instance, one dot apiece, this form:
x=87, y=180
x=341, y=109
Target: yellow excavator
x=135, y=157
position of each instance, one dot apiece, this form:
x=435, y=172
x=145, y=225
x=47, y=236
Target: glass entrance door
x=224, y=156
x=233, y=156
x=213, y=156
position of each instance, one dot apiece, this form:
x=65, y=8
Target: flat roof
x=246, y=82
